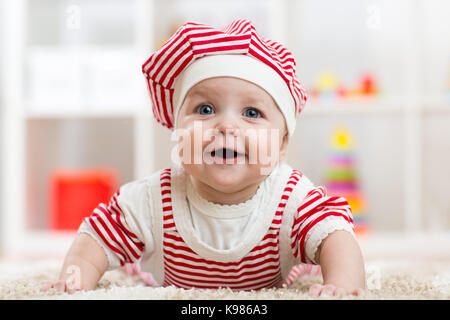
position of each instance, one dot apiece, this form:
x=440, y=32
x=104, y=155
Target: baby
x=229, y=213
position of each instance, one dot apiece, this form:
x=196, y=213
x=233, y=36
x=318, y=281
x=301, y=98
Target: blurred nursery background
x=76, y=119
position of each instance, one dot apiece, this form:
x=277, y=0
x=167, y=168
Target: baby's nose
x=227, y=124
x=228, y=128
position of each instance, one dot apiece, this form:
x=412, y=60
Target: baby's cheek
x=252, y=146
x=268, y=147
x=192, y=145
x=186, y=147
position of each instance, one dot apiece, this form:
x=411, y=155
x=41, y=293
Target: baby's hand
x=318, y=290
x=61, y=286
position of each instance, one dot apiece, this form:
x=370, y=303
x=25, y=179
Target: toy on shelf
x=341, y=177
x=74, y=194
x=328, y=83
x=328, y=87
x=368, y=85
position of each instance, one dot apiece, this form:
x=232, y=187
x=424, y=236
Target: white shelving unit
x=17, y=240
x=148, y=18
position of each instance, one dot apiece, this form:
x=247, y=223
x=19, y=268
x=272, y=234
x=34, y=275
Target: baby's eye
x=205, y=109
x=252, y=113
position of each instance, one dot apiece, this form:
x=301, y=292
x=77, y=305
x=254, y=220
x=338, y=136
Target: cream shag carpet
x=385, y=280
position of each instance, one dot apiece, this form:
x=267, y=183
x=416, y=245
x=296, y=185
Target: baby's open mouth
x=225, y=153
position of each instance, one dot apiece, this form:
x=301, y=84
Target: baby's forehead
x=226, y=86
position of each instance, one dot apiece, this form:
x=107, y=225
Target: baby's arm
x=342, y=265
x=83, y=266
x=111, y=237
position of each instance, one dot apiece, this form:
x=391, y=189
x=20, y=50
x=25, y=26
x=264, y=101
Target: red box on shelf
x=74, y=194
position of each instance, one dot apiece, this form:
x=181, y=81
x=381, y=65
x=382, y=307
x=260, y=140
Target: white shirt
x=221, y=226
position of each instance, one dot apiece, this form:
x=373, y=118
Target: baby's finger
x=46, y=286
x=357, y=292
x=59, y=286
x=328, y=290
x=340, y=292
x=71, y=290
x=72, y=287
x=314, y=290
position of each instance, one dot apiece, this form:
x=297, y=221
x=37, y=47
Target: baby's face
x=231, y=133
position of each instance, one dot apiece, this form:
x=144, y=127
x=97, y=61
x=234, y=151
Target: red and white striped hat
x=197, y=52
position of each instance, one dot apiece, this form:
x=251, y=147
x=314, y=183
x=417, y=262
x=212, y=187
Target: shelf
x=371, y=106
x=84, y=111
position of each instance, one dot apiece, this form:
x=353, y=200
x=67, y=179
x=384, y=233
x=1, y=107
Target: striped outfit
x=149, y=221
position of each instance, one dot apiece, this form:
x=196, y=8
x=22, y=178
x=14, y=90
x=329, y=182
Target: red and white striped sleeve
x=116, y=226
x=317, y=216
